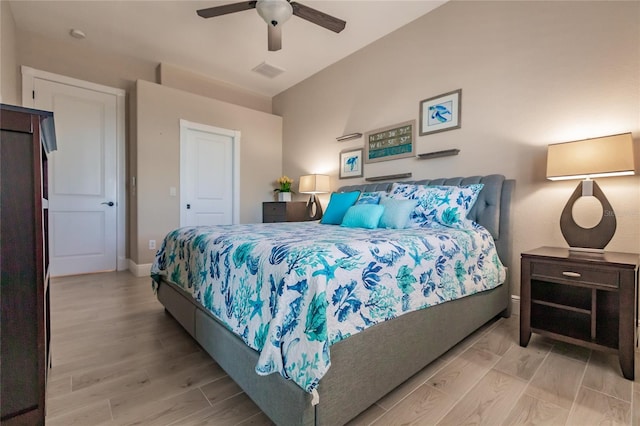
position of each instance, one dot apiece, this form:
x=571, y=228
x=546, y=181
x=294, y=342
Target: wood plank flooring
x=118, y=359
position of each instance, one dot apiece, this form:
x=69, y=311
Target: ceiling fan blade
x=226, y=9
x=274, y=37
x=317, y=17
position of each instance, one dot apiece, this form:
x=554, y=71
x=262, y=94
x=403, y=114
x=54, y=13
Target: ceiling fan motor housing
x=274, y=12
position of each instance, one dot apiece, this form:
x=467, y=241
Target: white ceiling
x=227, y=47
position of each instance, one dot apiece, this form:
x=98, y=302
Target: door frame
x=28, y=76
x=185, y=126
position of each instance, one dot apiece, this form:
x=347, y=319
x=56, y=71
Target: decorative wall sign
x=440, y=113
x=351, y=163
x=390, y=143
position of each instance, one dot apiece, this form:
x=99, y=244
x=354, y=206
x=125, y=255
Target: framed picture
x=390, y=143
x=440, y=113
x=351, y=163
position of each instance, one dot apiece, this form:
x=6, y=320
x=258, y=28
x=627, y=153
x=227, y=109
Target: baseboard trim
x=142, y=270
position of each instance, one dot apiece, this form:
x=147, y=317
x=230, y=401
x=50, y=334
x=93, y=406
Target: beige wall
x=179, y=78
x=531, y=74
x=9, y=85
x=159, y=110
x=79, y=59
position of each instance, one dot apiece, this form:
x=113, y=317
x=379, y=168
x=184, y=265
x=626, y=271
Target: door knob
x=109, y=203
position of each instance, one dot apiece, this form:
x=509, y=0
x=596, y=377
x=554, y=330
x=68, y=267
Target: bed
x=359, y=350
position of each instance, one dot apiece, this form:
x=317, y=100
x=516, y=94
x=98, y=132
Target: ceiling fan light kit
x=275, y=13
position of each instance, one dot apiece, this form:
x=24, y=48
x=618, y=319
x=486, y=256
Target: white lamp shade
x=591, y=158
x=274, y=12
x=314, y=184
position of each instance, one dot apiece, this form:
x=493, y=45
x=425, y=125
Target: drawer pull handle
x=571, y=274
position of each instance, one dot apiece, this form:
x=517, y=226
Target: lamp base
x=587, y=239
x=586, y=251
x=314, y=209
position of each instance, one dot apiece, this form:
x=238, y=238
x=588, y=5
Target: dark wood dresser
x=581, y=298
x=284, y=211
x=25, y=138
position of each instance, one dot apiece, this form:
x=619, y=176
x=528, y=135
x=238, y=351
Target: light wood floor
x=118, y=359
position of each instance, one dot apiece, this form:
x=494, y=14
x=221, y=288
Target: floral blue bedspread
x=291, y=290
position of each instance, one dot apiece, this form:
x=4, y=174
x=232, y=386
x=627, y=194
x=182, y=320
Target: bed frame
x=368, y=365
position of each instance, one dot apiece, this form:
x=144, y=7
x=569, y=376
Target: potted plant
x=284, y=188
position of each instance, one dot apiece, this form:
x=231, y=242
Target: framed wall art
x=390, y=143
x=440, y=113
x=351, y=163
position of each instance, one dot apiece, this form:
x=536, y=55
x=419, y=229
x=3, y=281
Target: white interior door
x=82, y=178
x=208, y=175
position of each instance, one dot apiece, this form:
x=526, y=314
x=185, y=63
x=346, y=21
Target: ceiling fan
x=275, y=13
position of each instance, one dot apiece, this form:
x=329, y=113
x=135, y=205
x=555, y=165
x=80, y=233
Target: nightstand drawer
x=578, y=274
x=281, y=211
x=270, y=218
x=274, y=209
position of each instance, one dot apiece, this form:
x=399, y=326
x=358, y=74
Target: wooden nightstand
x=281, y=211
x=582, y=298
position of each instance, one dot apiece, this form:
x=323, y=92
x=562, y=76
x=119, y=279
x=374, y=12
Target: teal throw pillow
x=396, y=213
x=363, y=216
x=339, y=203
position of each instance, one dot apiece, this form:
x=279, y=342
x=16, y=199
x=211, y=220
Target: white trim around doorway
x=28, y=75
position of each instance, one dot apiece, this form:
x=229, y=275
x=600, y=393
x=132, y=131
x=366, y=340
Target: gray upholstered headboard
x=492, y=209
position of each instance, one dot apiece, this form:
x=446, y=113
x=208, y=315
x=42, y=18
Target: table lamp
x=314, y=184
x=587, y=159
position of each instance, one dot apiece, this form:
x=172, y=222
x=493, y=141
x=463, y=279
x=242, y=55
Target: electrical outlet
x=152, y=244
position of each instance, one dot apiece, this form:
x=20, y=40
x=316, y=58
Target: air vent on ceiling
x=268, y=70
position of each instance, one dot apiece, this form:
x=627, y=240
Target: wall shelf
x=437, y=154
x=388, y=177
x=349, y=137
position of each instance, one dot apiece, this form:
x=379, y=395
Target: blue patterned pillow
x=447, y=205
x=396, y=212
x=363, y=216
x=370, y=197
x=338, y=205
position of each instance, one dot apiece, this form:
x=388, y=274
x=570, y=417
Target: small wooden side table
x=585, y=299
x=284, y=211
